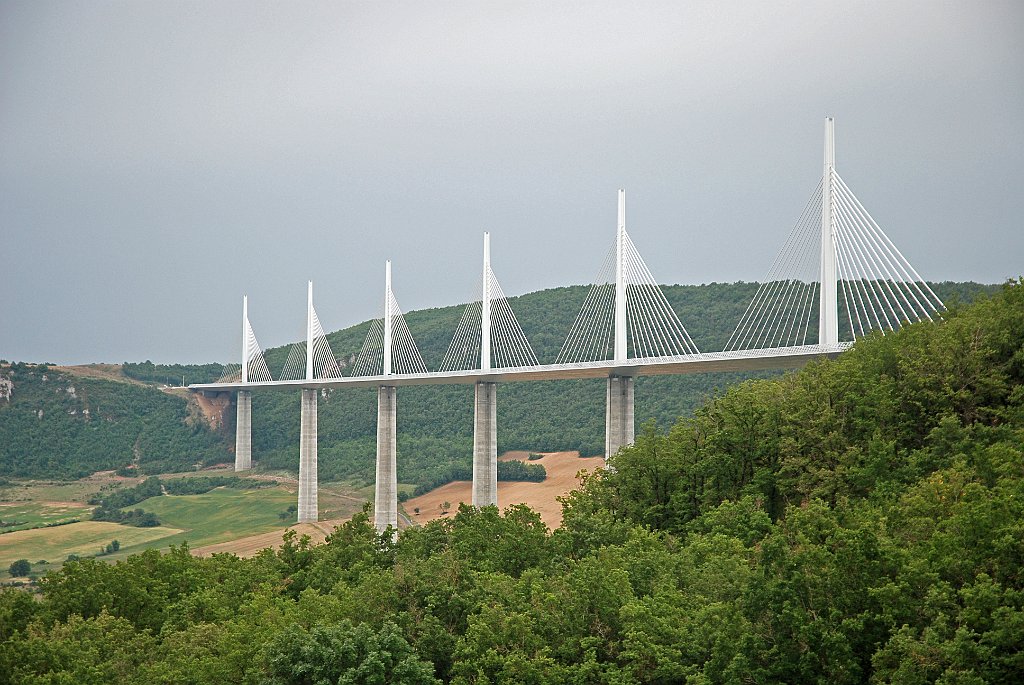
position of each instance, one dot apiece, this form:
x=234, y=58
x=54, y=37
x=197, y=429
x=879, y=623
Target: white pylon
x=621, y=350
x=828, y=304
x=309, y=331
x=388, y=316
x=485, y=316
x=245, y=338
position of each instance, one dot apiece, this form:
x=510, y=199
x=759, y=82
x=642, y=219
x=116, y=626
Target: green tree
x=21, y=567
x=344, y=654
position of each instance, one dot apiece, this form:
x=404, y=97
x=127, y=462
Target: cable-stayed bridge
x=837, y=273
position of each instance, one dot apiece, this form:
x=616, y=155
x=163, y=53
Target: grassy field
x=78, y=491
x=220, y=515
x=215, y=517
x=25, y=515
x=53, y=545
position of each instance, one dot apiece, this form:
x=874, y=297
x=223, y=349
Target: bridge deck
x=745, y=360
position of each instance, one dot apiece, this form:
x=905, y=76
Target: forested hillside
x=153, y=430
x=861, y=520
x=58, y=425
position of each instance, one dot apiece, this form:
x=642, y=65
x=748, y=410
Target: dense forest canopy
x=58, y=425
x=861, y=520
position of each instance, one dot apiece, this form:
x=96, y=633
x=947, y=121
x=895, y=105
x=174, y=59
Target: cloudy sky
x=158, y=160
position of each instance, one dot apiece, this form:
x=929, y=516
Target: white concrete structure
x=385, y=499
x=243, y=431
x=828, y=307
x=619, y=427
x=308, y=487
x=308, y=481
x=385, y=496
x=485, y=445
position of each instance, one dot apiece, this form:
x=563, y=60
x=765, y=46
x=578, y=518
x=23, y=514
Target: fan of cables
x=509, y=347
x=325, y=365
x=652, y=326
x=877, y=288
x=405, y=356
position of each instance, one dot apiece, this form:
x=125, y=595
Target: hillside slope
x=55, y=424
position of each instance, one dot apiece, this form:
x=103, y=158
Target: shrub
x=19, y=568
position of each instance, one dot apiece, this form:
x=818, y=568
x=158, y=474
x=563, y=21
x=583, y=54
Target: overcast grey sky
x=158, y=160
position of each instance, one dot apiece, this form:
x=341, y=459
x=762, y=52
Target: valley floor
x=53, y=518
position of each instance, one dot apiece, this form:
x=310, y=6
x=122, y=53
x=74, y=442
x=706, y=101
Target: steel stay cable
x=871, y=278
x=675, y=332
x=802, y=259
x=748, y=317
x=865, y=222
x=862, y=276
x=860, y=279
x=878, y=268
x=578, y=323
x=851, y=296
x=916, y=280
x=752, y=320
x=644, y=329
x=774, y=333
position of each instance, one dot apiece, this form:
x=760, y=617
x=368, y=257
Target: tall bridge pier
x=618, y=418
x=385, y=498
x=485, y=404
x=243, y=420
x=308, y=485
x=485, y=445
x=243, y=432
x=385, y=494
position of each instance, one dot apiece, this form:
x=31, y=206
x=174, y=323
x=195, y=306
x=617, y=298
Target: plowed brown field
x=248, y=546
x=561, y=467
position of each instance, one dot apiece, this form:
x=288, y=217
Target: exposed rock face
x=215, y=411
x=6, y=389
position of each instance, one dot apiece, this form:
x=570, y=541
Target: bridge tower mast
x=309, y=331
x=618, y=422
x=485, y=404
x=245, y=338
x=828, y=306
x=308, y=509
x=385, y=500
x=387, y=318
x=621, y=349
x=485, y=308
x=243, y=420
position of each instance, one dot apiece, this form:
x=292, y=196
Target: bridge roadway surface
x=710, y=362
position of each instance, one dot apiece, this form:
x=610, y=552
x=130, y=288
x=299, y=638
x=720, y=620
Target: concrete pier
x=618, y=422
x=307, y=458
x=485, y=445
x=243, y=432
x=385, y=500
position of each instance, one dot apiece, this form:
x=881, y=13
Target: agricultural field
x=217, y=520
x=48, y=548
x=221, y=514
x=26, y=515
